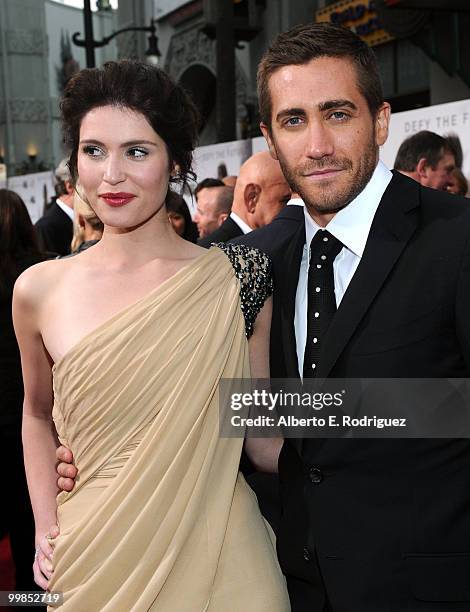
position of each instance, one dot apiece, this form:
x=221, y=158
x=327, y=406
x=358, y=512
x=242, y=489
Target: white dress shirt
x=351, y=226
x=67, y=210
x=246, y=229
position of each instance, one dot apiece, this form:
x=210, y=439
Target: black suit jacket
x=387, y=527
x=228, y=230
x=55, y=231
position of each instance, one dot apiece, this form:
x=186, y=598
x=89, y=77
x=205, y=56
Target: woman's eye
x=137, y=153
x=92, y=150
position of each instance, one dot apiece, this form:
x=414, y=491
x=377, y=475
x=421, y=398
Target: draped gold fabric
x=160, y=519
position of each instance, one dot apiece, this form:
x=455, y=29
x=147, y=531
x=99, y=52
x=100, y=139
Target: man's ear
x=222, y=218
x=382, y=122
x=422, y=168
x=251, y=195
x=267, y=135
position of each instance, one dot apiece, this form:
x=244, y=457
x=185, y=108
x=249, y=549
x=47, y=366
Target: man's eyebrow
x=322, y=106
x=288, y=112
x=330, y=104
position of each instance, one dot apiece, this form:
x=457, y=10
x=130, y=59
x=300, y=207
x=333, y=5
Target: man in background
x=230, y=180
x=213, y=205
x=261, y=192
x=55, y=227
x=427, y=158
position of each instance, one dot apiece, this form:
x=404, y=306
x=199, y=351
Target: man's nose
x=320, y=141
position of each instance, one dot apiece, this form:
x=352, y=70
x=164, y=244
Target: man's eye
x=92, y=151
x=339, y=116
x=293, y=121
x=137, y=153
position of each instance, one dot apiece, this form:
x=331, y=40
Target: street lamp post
x=88, y=25
x=153, y=53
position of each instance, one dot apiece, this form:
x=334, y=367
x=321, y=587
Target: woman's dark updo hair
x=142, y=88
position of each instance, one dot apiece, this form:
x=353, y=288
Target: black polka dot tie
x=321, y=296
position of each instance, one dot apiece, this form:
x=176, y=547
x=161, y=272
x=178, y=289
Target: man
x=427, y=158
x=367, y=525
x=212, y=208
x=261, y=192
x=230, y=180
x=55, y=227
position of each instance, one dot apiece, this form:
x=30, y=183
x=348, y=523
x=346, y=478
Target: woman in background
x=458, y=184
x=18, y=250
x=87, y=227
x=180, y=217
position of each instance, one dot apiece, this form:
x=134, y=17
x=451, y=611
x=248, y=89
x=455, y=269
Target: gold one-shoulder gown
x=160, y=518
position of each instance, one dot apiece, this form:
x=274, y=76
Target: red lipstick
x=120, y=198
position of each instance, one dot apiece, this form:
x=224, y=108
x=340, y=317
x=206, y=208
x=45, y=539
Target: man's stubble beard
x=331, y=201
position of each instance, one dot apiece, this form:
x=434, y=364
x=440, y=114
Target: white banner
x=259, y=144
x=208, y=159
x=34, y=189
x=453, y=117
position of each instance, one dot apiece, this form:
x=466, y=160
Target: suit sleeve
x=462, y=306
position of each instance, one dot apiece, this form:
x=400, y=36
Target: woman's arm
x=39, y=436
x=263, y=452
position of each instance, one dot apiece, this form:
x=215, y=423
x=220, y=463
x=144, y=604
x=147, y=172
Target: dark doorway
x=200, y=83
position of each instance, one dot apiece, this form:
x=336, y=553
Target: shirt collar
x=352, y=224
x=246, y=229
x=295, y=202
x=67, y=210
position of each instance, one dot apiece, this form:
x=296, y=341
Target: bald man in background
x=261, y=192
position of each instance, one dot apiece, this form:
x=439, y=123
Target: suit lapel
x=290, y=261
x=230, y=229
x=395, y=222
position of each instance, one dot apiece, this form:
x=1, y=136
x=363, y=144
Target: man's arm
x=66, y=471
x=263, y=452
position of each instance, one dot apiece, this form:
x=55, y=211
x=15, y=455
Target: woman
x=18, y=251
x=180, y=217
x=458, y=183
x=87, y=227
x=159, y=518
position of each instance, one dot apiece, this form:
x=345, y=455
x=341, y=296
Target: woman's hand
x=42, y=566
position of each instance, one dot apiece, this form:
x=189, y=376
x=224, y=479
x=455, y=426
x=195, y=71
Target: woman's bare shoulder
x=36, y=282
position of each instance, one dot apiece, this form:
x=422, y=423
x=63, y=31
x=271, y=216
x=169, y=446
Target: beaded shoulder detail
x=253, y=270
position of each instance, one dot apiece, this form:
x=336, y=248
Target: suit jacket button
x=315, y=475
x=307, y=556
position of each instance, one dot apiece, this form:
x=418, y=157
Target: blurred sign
x=449, y=118
x=35, y=190
x=359, y=16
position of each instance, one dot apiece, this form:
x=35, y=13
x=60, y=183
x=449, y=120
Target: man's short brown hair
x=304, y=43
